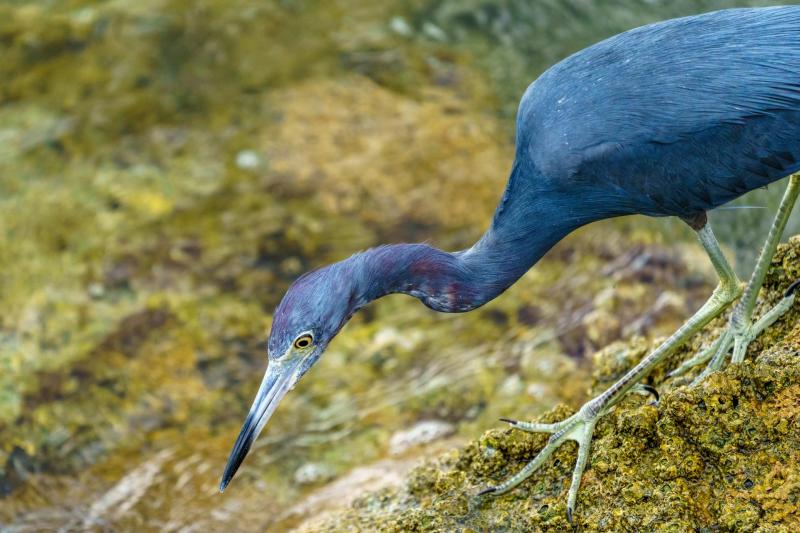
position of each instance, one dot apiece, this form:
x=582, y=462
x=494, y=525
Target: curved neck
x=527, y=223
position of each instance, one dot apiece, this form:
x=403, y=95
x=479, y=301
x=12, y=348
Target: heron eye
x=303, y=341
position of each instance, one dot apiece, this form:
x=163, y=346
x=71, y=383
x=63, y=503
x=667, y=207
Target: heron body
x=670, y=119
x=674, y=118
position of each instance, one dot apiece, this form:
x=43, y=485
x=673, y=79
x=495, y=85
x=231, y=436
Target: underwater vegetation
x=167, y=168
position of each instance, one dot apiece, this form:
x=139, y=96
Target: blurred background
x=168, y=167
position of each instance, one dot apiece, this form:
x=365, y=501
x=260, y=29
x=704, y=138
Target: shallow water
x=167, y=168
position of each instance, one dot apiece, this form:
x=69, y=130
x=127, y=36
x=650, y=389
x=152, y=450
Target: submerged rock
x=420, y=433
x=311, y=473
x=722, y=455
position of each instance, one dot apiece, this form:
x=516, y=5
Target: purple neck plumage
x=526, y=224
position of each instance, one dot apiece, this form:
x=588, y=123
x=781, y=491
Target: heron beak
x=280, y=377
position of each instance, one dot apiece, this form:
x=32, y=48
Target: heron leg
x=580, y=426
x=741, y=329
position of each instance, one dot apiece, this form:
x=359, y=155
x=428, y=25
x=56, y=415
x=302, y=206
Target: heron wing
x=676, y=116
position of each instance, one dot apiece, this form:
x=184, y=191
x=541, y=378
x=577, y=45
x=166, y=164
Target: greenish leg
x=741, y=330
x=741, y=320
x=580, y=426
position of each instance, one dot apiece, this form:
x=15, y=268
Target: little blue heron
x=671, y=119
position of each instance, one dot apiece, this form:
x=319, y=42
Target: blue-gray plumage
x=674, y=118
x=670, y=119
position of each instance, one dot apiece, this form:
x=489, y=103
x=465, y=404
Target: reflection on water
x=169, y=167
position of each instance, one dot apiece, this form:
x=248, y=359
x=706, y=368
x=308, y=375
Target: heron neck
x=530, y=219
x=527, y=223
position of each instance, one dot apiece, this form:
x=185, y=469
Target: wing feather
x=712, y=102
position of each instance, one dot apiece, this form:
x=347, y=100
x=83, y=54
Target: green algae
x=723, y=454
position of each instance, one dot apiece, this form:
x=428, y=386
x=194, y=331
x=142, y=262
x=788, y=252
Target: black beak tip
x=230, y=471
x=239, y=452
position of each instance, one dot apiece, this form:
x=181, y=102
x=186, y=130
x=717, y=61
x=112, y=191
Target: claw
x=569, y=515
x=652, y=390
x=641, y=388
x=510, y=421
x=793, y=287
x=487, y=490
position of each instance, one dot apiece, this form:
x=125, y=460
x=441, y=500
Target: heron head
x=311, y=313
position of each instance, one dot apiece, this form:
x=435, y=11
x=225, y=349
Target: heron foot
x=741, y=329
x=736, y=337
x=579, y=428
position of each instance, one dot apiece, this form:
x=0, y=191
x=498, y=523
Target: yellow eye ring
x=303, y=341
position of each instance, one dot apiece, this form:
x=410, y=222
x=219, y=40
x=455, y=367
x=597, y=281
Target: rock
x=248, y=160
x=511, y=386
x=423, y=432
x=400, y=26
x=668, y=303
x=127, y=492
x=311, y=473
x=381, y=475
